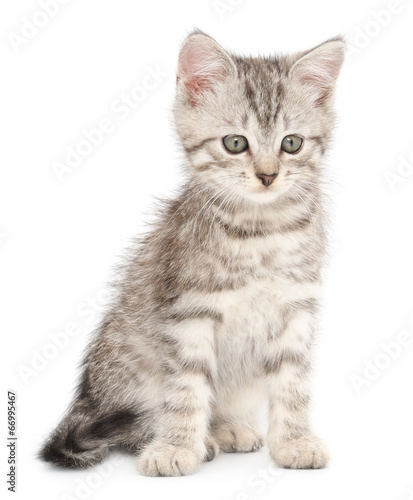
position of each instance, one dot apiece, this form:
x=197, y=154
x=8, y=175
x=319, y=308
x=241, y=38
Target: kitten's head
x=255, y=128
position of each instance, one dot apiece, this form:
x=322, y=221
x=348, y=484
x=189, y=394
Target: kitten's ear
x=318, y=69
x=202, y=64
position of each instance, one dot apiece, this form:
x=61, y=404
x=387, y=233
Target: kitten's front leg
x=291, y=443
x=181, y=435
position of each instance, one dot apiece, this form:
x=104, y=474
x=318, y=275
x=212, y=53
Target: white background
x=60, y=240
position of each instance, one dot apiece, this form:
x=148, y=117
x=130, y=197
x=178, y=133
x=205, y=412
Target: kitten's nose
x=266, y=179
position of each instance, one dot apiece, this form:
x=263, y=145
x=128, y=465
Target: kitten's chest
x=264, y=274
x=271, y=256
x=258, y=304
x=252, y=317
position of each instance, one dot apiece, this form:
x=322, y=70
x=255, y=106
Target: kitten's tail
x=82, y=439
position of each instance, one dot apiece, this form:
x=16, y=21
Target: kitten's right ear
x=202, y=64
x=318, y=69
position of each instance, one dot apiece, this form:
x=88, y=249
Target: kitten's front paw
x=307, y=452
x=168, y=460
x=238, y=438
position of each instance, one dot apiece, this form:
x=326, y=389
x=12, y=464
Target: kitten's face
x=255, y=129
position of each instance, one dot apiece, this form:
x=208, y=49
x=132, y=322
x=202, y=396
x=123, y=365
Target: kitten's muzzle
x=267, y=179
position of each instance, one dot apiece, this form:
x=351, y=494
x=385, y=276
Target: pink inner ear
x=199, y=67
x=192, y=68
x=319, y=71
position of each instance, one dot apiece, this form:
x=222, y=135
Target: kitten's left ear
x=202, y=64
x=317, y=70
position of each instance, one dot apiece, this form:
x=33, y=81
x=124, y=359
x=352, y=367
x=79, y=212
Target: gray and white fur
x=217, y=306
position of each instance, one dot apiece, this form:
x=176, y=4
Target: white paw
x=168, y=460
x=238, y=438
x=307, y=452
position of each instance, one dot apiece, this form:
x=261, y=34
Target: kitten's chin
x=262, y=195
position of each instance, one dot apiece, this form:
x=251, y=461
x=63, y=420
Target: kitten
x=216, y=309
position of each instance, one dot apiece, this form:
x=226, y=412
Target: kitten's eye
x=291, y=144
x=235, y=143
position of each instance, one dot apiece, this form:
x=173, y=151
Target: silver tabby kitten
x=216, y=309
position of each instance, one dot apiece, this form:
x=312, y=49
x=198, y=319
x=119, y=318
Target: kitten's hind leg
x=236, y=436
x=234, y=425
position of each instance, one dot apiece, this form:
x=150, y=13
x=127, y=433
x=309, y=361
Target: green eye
x=235, y=143
x=291, y=144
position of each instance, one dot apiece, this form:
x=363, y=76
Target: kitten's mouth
x=265, y=189
x=263, y=194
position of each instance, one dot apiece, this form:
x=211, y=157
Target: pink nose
x=267, y=179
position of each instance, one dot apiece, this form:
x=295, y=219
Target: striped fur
x=216, y=308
